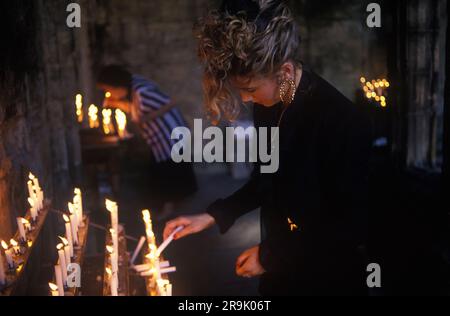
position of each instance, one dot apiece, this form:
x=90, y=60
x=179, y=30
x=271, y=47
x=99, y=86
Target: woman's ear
x=287, y=71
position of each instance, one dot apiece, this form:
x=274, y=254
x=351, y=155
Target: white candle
x=53, y=289
x=113, y=209
x=114, y=285
x=30, y=189
x=73, y=227
x=168, y=241
x=22, y=234
x=27, y=225
x=168, y=270
x=80, y=204
x=33, y=211
x=15, y=247
x=66, y=249
x=59, y=279
x=62, y=262
x=41, y=199
x=8, y=254
x=115, y=240
x=137, y=250
x=69, y=234
x=2, y=271
x=169, y=289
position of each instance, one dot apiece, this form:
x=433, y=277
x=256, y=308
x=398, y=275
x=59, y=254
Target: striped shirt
x=147, y=98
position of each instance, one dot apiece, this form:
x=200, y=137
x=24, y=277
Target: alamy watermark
x=213, y=150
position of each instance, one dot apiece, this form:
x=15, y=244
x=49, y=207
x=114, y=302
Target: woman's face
x=260, y=90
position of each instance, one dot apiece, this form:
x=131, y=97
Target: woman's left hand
x=248, y=265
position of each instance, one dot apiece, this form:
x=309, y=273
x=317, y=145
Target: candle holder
x=20, y=260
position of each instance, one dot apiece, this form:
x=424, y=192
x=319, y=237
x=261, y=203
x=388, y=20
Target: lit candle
x=66, y=249
x=68, y=234
x=35, y=182
x=108, y=127
x=79, y=201
x=53, y=289
x=74, y=217
x=114, y=284
x=27, y=225
x=62, y=262
x=93, y=116
x=30, y=188
x=113, y=209
x=59, y=279
x=115, y=240
x=79, y=107
x=21, y=227
x=33, y=211
x=15, y=246
x=8, y=254
x=73, y=226
x=2, y=271
x=114, y=259
x=121, y=120
x=148, y=227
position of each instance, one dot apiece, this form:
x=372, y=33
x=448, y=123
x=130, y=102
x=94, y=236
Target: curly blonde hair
x=232, y=42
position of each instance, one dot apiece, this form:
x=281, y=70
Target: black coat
x=320, y=186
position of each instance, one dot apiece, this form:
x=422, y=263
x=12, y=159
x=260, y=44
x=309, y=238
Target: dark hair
x=115, y=76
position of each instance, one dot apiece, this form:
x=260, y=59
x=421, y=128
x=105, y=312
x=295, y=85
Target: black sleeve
x=353, y=143
x=227, y=211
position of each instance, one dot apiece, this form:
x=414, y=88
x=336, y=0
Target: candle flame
x=64, y=240
x=24, y=221
x=146, y=215
x=4, y=245
x=53, y=286
x=108, y=271
x=121, y=120
x=60, y=246
x=79, y=107
x=13, y=243
x=77, y=191
x=110, y=249
x=93, y=116
x=107, y=94
x=110, y=205
x=66, y=218
x=31, y=176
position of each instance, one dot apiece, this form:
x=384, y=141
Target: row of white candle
x=65, y=249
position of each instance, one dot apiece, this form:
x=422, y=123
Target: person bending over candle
x=155, y=115
x=313, y=209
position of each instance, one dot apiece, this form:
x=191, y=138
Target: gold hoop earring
x=287, y=91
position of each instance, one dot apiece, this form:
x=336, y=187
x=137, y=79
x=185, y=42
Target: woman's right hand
x=192, y=224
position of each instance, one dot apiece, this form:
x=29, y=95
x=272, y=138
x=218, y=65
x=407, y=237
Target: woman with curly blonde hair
x=313, y=209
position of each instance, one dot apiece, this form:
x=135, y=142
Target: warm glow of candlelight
x=108, y=271
x=110, y=249
x=121, y=120
x=66, y=218
x=107, y=125
x=77, y=191
x=13, y=243
x=93, y=116
x=31, y=202
x=107, y=94
x=4, y=245
x=24, y=221
x=53, y=286
x=64, y=240
x=79, y=107
x=60, y=246
x=31, y=176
